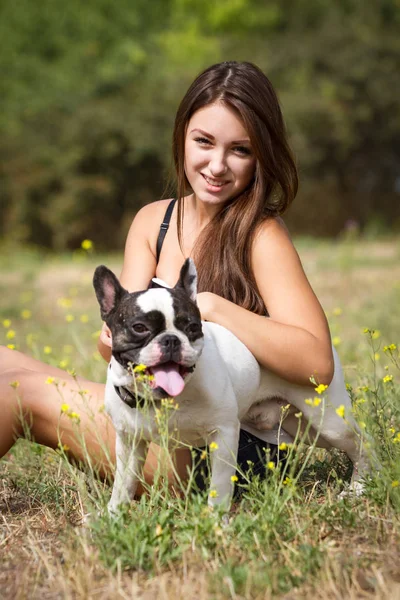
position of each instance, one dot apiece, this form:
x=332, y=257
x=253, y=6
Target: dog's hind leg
x=130, y=457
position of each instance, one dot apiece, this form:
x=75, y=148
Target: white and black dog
x=218, y=382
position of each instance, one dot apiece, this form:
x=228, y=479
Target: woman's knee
x=7, y=358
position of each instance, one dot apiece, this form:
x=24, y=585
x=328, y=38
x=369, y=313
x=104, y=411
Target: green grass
x=296, y=539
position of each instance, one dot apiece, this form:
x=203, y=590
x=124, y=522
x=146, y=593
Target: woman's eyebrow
x=244, y=141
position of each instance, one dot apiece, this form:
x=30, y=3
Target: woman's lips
x=214, y=185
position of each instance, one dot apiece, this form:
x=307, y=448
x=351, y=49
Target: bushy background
x=89, y=92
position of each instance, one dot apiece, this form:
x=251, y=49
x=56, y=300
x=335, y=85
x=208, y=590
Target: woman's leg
x=29, y=403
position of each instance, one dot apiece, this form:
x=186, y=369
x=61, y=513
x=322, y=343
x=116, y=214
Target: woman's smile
x=219, y=161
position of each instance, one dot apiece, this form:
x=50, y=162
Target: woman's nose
x=218, y=164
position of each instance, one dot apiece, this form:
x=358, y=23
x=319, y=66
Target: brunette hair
x=243, y=87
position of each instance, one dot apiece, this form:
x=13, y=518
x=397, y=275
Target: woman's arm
x=139, y=260
x=294, y=342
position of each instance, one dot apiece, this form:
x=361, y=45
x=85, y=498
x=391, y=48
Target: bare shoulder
x=282, y=281
x=273, y=237
x=140, y=248
x=152, y=213
x=147, y=222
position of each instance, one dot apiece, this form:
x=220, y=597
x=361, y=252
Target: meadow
x=291, y=537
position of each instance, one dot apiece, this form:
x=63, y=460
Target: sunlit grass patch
x=290, y=535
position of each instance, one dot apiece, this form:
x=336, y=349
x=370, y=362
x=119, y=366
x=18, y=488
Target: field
x=290, y=538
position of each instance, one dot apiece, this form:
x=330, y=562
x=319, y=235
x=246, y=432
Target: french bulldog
x=216, y=380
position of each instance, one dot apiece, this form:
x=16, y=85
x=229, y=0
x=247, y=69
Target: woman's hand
x=105, y=336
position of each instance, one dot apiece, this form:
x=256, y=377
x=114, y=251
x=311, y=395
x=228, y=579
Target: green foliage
x=89, y=92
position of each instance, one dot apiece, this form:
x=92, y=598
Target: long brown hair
x=227, y=269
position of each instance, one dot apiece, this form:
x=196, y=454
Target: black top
x=161, y=236
x=164, y=227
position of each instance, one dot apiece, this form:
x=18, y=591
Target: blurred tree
x=89, y=92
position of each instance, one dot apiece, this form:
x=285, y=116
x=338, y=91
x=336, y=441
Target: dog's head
x=160, y=328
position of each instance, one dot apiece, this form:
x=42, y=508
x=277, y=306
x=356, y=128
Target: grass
x=293, y=540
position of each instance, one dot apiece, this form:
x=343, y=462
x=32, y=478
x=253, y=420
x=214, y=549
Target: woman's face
x=219, y=161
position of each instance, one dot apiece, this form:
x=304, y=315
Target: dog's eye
x=139, y=328
x=193, y=328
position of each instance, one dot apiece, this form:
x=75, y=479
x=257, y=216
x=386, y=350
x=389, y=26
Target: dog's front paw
x=113, y=509
x=353, y=490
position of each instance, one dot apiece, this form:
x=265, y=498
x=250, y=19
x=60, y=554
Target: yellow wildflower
x=395, y=483
x=26, y=314
x=213, y=494
x=234, y=478
x=10, y=335
x=64, y=302
x=65, y=408
x=375, y=334
x=308, y=401
x=69, y=318
x=63, y=447
x=320, y=389
x=390, y=348
x=271, y=465
x=87, y=245
x=387, y=378
x=139, y=368
x=336, y=340
x=11, y=346
x=366, y=330
x=203, y=455
x=362, y=424
x=75, y=416
x=6, y=323
x=63, y=364
x=47, y=350
x=213, y=446
x=283, y=446
x=51, y=380
x=340, y=411
x=377, y=356
x=287, y=481
x=14, y=384
x=317, y=401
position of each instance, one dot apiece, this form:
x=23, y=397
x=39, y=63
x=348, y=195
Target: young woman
x=235, y=177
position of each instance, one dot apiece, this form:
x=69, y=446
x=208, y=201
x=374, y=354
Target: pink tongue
x=167, y=376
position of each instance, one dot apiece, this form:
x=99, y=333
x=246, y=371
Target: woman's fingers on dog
x=106, y=336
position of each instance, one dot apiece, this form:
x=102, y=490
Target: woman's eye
x=243, y=150
x=202, y=140
x=139, y=328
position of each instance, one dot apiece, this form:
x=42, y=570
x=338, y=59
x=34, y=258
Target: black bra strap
x=164, y=227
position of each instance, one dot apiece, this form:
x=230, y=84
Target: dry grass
x=314, y=547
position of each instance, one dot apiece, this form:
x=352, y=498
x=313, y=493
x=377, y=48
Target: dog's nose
x=170, y=342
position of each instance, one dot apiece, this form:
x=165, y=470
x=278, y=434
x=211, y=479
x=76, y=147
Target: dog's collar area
x=130, y=399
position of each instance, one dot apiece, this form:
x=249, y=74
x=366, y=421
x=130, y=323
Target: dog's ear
x=188, y=279
x=108, y=290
